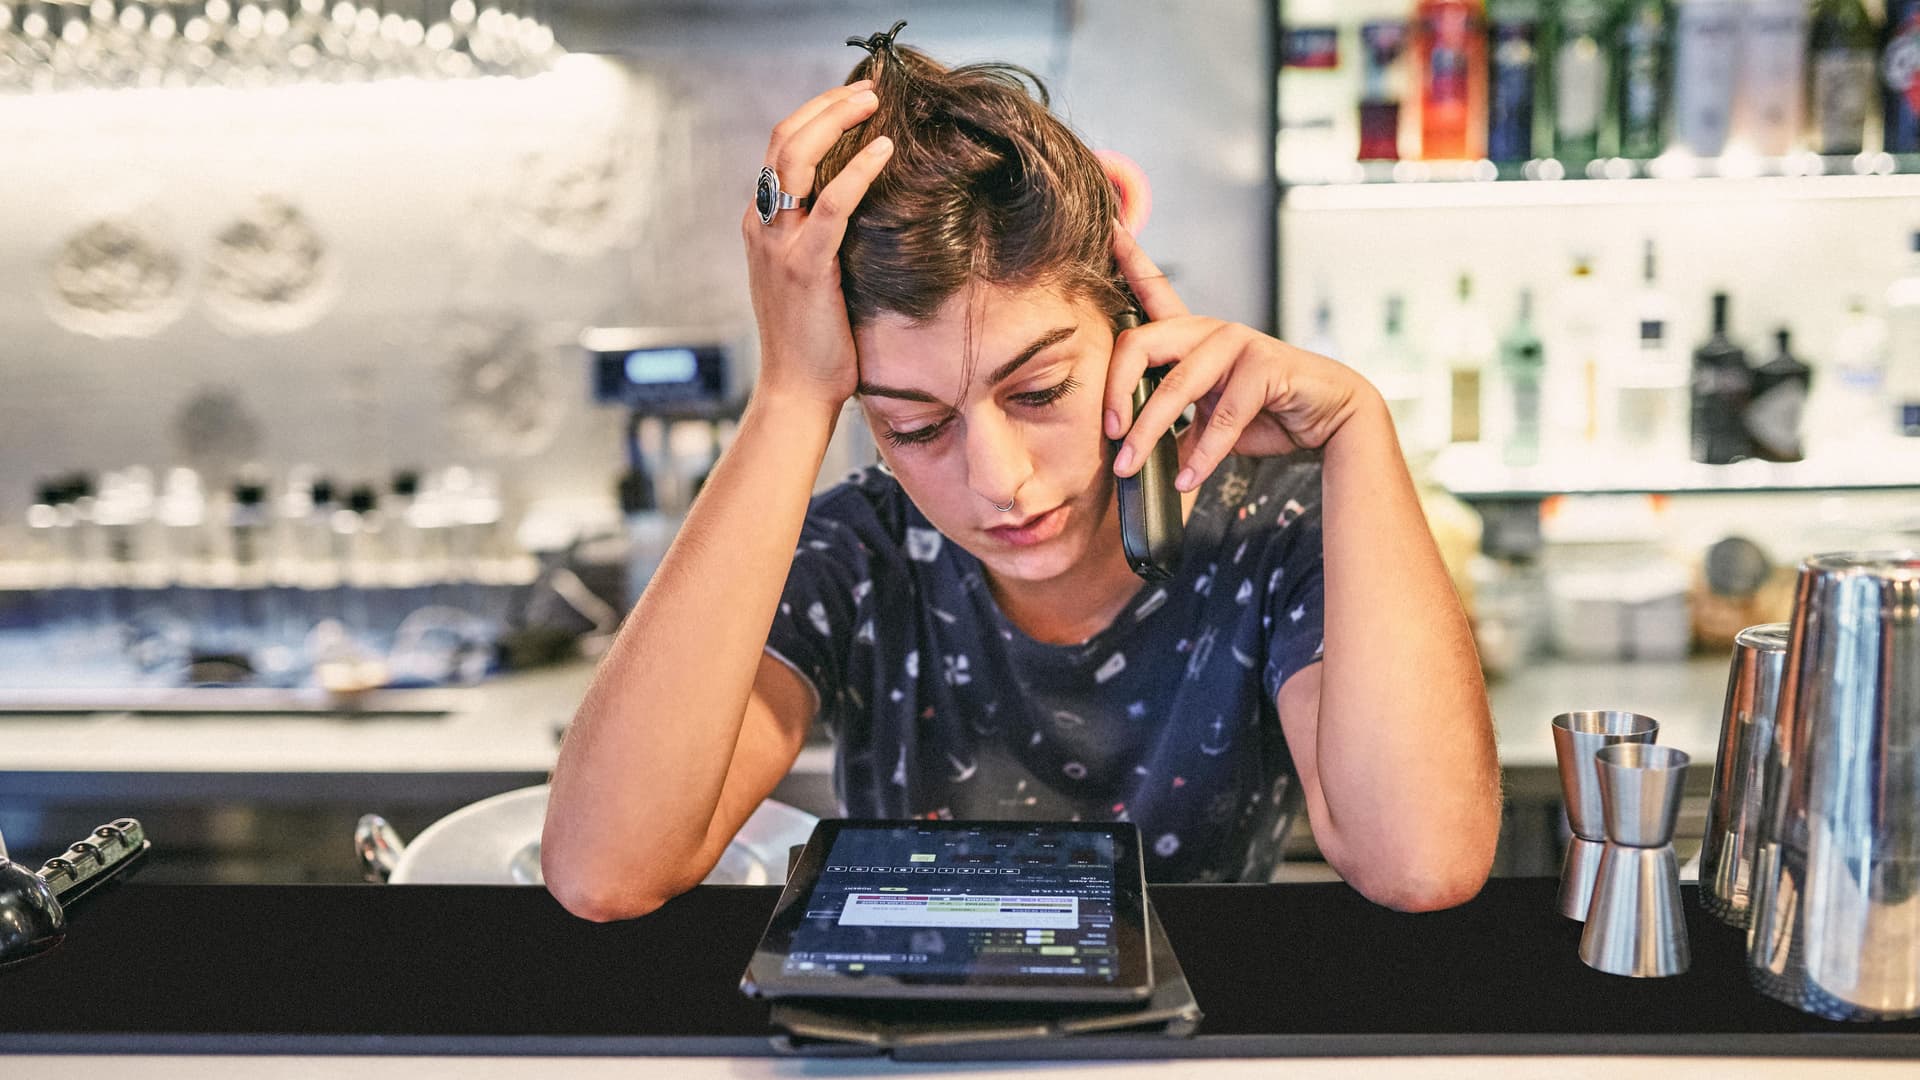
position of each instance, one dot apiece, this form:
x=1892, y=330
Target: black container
x=1722, y=390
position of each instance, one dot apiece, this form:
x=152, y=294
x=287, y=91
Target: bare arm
x=687, y=725
x=644, y=766
x=1391, y=731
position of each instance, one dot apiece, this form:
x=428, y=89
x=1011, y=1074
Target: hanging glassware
x=56, y=45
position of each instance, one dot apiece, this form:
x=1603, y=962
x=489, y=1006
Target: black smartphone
x=1150, y=523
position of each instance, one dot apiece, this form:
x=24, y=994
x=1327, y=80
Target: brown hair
x=984, y=185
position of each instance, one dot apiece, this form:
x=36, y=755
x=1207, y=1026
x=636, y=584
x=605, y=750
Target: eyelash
x=1039, y=399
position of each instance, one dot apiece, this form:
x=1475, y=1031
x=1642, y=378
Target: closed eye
x=1038, y=399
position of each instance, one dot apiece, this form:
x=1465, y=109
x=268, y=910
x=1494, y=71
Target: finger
x=1149, y=285
x=801, y=116
x=826, y=222
x=1197, y=373
x=800, y=155
x=1136, y=350
x=1244, y=395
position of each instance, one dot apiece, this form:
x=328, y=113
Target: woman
x=963, y=617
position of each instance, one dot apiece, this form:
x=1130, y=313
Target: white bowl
x=496, y=841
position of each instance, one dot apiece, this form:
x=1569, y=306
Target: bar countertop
x=1280, y=970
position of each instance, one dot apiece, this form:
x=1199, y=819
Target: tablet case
x=819, y=1026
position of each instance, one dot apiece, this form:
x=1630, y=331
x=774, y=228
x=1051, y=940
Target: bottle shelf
x=1475, y=473
x=1420, y=184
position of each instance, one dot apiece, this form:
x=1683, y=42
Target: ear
x=1130, y=184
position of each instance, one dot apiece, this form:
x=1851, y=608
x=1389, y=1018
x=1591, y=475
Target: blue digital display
x=647, y=367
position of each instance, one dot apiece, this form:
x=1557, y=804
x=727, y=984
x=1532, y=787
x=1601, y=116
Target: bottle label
x=1842, y=86
x=1704, y=65
x=1580, y=83
x=1510, y=94
x=1316, y=48
x=1447, y=62
x=1771, y=79
x=1640, y=75
x=1466, y=404
x=1773, y=419
x=1901, y=64
x=1381, y=44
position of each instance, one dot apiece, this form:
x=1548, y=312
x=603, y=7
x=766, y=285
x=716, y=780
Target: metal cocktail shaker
x=1746, y=736
x=1576, y=737
x=1836, y=900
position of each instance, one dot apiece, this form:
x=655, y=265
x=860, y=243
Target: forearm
x=1405, y=755
x=642, y=767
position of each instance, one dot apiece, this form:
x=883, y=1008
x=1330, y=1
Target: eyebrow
x=1051, y=337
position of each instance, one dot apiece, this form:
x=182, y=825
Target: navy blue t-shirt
x=940, y=707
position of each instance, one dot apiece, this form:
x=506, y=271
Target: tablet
x=960, y=910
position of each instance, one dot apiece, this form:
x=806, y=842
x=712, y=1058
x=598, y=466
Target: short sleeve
x=1295, y=593
x=827, y=599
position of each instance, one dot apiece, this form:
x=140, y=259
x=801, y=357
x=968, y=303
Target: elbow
x=596, y=901
x=594, y=893
x=1431, y=877
x=1436, y=890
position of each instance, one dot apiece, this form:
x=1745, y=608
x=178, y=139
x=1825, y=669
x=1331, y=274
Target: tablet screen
x=924, y=907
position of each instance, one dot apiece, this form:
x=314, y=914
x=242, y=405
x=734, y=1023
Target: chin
x=1043, y=563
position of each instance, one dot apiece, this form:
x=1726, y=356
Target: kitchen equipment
x=33, y=905
x=1576, y=736
x=667, y=379
x=496, y=841
x=1836, y=897
x=1635, y=925
x=1746, y=735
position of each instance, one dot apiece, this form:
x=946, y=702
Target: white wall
x=420, y=198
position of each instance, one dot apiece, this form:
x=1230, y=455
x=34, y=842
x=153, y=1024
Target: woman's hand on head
x=793, y=264
x=1252, y=394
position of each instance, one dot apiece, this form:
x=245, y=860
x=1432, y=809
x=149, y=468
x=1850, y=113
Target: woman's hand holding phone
x=1252, y=394
x=793, y=265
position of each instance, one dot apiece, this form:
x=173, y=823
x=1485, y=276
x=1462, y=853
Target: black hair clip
x=876, y=42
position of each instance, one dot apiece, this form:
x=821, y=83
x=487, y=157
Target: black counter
x=1280, y=970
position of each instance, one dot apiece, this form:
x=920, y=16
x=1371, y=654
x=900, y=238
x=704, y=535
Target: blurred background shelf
x=1475, y=473
x=1838, y=173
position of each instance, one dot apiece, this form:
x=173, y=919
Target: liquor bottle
x=1581, y=349
x=1645, y=40
x=1844, y=44
x=1514, y=41
x=1900, y=77
x=1650, y=403
x=1468, y=347
x=1772, y=81
x=1849, y=403
x=1397, y=372
x=1722, y=387
x=1450, y=47
x=1903, y=352
x=1382, y=86
x=1313, y=100
x=1780, y=389
x=1523, y=360
x=1706, y=52
x=1580, y=81
x=1322, y=339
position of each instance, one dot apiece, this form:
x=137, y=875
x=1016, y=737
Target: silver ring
x=769, y=200
x=1007, y=509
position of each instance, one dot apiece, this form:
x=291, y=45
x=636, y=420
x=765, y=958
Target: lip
x=1034, y=530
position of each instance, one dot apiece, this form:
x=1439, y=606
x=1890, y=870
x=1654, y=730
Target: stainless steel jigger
x=1576, y=736
x=1635, y=925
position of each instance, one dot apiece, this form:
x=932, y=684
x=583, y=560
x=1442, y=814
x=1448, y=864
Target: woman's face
x=1008, y=410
